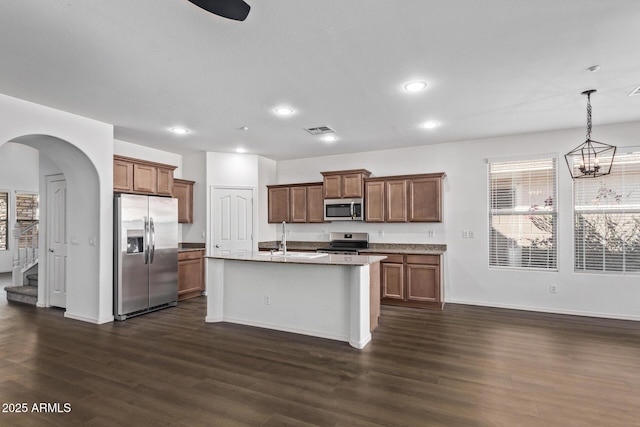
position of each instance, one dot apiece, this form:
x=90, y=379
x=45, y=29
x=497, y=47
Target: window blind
x=607, y=219
x=522, y=214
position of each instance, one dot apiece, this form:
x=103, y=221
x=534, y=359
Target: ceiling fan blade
x=232, y=9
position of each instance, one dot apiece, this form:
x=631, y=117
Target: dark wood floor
x=466, y=366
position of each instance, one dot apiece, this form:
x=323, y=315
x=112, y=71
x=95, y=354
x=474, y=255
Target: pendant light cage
x=590, y=159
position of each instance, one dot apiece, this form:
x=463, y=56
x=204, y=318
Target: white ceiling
x=494, y=67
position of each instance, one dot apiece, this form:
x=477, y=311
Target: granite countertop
x=186, y=247
x=313, y=259
x=383, y=248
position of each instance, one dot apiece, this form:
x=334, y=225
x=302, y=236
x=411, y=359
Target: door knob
x=50, y=250
x=217, y=246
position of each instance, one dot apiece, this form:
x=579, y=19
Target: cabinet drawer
x=396, y=259
x=423, y=259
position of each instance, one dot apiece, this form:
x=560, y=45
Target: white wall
x=468, y=278
x=18, y=173
x=123, y=148
x=90, y=287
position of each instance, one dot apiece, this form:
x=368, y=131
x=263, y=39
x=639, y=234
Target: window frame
x=7, y=222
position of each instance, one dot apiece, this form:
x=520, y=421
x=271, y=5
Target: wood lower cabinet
x=183, y=191
x=142, y=177
x=411, y=281
x=300, y=203
x=392, y=278
x=190, y=274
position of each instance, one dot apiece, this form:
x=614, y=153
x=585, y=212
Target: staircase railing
x=26, y=251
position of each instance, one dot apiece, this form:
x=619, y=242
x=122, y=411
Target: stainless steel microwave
x=343, y=210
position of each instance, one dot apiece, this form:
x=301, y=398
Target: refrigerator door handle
x=152, y=244
x=145, y=243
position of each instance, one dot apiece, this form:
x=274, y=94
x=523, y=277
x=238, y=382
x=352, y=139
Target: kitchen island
x=322, y=295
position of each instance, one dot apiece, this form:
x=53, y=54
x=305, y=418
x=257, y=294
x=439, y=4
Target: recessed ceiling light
x=415, y=86
x=284, y=111
x=329, y=138
x=430, y=124
x=241, y=150
x=180, y=131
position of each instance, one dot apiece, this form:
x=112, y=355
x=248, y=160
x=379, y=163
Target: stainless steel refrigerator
x=145, y=254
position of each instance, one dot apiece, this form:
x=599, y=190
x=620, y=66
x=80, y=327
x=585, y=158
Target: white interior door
x=232, y=219
x=57, y=241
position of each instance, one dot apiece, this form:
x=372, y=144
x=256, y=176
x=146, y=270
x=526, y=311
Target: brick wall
x=27, y=214
x=4, y=218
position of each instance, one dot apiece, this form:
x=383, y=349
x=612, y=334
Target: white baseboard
x=95, y=321
x=548, y=310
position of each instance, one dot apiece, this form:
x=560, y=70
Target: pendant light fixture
x=591, y=158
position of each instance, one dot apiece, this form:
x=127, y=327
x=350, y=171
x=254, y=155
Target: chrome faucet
x=283, y=242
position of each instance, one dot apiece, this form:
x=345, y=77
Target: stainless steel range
x=346, y=243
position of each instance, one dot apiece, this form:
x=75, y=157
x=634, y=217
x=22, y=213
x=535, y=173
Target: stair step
x=24, y=294
x=32, y=279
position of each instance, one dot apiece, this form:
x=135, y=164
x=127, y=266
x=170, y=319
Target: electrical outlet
x=553, y=289
x=267, y=300
x=465, y=234
x=430, y=233
x=380, y=233
x=471, y=235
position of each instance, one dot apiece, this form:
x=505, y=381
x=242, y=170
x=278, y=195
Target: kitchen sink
x=307, y=255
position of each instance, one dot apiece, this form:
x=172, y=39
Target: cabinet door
x=190, y=274
x=122, y=175
x=423, y=282
x=298, y=204
x=425, y=204
x=374, y=201
x=315, y=203
x=332, y=187
x=396, y=201
x=278, y=204
x=183, y=191
x=352, y=185
x=392, y=281
x=165, y=182
x=145, y=178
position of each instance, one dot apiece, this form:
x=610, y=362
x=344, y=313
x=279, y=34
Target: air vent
x=635, y=92
x=320, y=130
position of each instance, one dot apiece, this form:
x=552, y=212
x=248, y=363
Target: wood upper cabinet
x=411, y=280
x=183, y=191
x=278, y=204
x=425, y=199
x=145, y=178
x=164, y=182
x=396, y=200
x=315, y=203
x=122, y=175
x=298, y=197
x=190, y=274
x=405, y=198
x=300, y=203
x=374, y=201
x=142, y=177
x=346, y=184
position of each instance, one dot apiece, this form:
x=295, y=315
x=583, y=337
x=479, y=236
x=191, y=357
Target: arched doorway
x=83, y=225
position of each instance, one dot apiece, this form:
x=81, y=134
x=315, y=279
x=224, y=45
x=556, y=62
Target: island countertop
x=303, y=258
